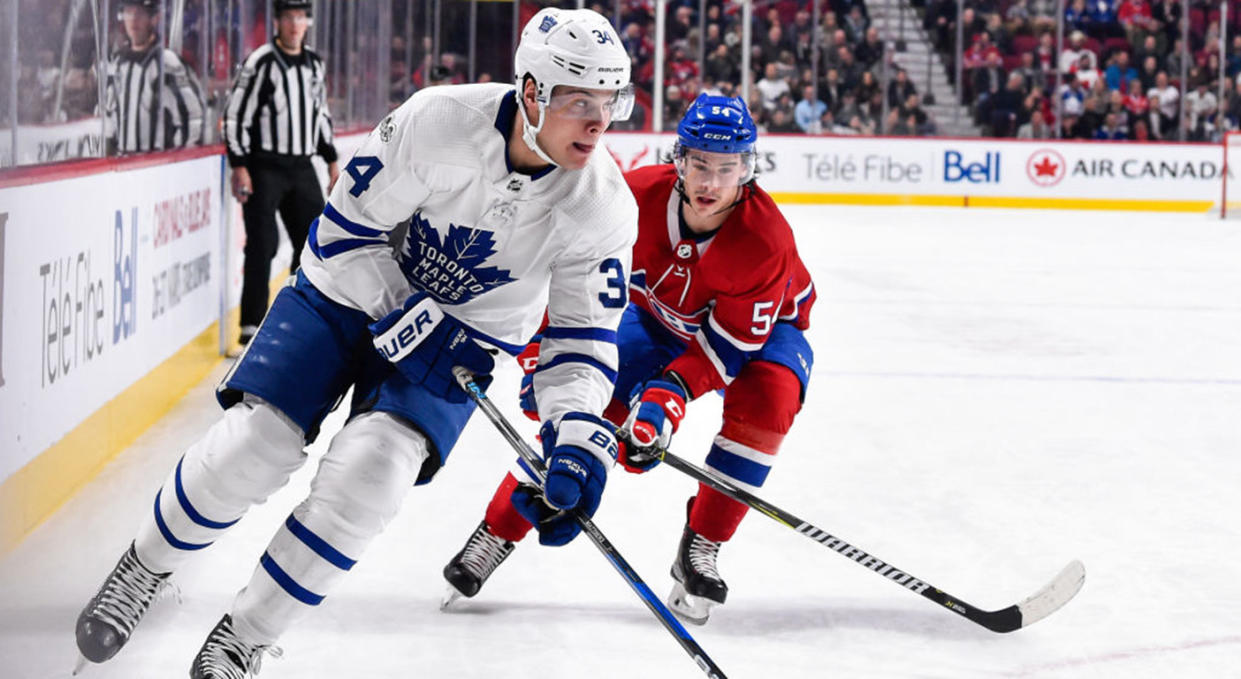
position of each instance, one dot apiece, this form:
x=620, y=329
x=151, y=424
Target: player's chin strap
x=530, y=132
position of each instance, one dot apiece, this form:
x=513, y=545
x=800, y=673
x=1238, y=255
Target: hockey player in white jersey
x=510, y=208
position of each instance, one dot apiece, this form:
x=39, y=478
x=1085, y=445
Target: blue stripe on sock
x=287, y=583
x=189, y=508
x=737, y=467
x=318, y=544
x=172, y=539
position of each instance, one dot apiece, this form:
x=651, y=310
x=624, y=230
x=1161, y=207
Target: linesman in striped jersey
x=277, y=119
x=153, y=101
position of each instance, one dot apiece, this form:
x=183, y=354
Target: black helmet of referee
x=282, y=5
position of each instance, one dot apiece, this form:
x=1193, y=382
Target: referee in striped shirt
x=277, y=119
x=153, y=102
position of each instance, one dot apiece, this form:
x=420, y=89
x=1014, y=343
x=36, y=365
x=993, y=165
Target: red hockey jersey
x=722, y=295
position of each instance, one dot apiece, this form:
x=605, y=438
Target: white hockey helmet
x=574, y=47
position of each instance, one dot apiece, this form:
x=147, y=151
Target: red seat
x=1112, y=45
x=1011, y=61
x=1025, y=43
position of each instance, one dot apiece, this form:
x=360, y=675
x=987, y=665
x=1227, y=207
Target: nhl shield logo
x=685, y=250
x=515, y=184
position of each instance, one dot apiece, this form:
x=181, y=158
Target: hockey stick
x=618, y=562
x=1039, y=605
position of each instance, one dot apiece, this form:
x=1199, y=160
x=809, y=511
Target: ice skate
x=111, y=615
x=470, y=568
x=225, y=655
x=698, y=587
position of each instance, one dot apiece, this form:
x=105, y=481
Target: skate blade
x=692, y=609
x=80, y=665
x=450, y=595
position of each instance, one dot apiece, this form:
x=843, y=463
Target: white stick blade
x=1057, y=593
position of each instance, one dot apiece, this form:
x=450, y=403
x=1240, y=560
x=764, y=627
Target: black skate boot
x=225, y=655
x=698, y=585
x=476, y=561
x=110, y=616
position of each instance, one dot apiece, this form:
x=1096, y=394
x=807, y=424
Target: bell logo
x=1045, y=167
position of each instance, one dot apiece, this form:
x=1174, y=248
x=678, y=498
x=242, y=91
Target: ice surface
x=995, y=393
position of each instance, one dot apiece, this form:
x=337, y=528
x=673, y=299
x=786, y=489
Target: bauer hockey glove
x=425, y=343
x=658, y=407
x=578, y=453
x=528, y=359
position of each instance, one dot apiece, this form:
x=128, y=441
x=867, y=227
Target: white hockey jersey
x=492, y=246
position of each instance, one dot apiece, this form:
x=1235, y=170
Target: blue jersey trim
x=350, y=226
x=596, y=334
x=318, y=545
x=189, y=508
x=336, y=247
x=287, y=583
x=580, y=358
x=510, y=349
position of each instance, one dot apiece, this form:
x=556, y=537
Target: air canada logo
x=1045, y=167
x=451, y=268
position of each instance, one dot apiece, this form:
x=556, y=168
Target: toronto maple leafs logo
x=451, y=269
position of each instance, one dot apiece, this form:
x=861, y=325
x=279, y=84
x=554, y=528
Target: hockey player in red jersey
x=720, y=302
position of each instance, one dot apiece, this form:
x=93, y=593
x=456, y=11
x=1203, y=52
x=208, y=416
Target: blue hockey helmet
x=715, y=124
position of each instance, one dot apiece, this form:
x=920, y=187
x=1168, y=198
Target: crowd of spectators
x=847, y=96
x=1117, y=76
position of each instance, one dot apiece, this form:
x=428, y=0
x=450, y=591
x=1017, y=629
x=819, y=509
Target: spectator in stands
x=809, y=110
x=939, y=21
x=1140, y=130
x=868, y=87
x=1150, y=70
x=772, y=44
x=911, y=111
x=1045, y=53
x=1094, y=109
x=1103, y=20
x=831, y=89
x=674, y=106
x=1232, y=64
x=870, y=50
x=680, y=69
x=1172, y=62
x=1072, y=95
x=848, y=109
x=1000, y=37
x=987, y=80
x=1116, y=105
x=1135, y=19
x=1086, y=74
x=1077, y=17
x=1035, y=128
x=850, y=70
x=1119, y=72
x=1200, y=103
x=828, y=125
x=1071, y=57
x=721, y=66
x=771, y=87
x=681, y=24
x=899, y=88
x=856, y=24
x=1006, y=105
x=801, y=26
x=782, y=123
x=1110, y=130
x=1135, y=101
x=1168, y=106
x=980, y=52
x=1069, y=127
x=1030, y=75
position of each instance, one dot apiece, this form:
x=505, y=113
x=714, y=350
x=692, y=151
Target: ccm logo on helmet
x=717, y=135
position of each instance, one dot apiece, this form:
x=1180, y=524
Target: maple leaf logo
x=1045, y=167
x=452, y=269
